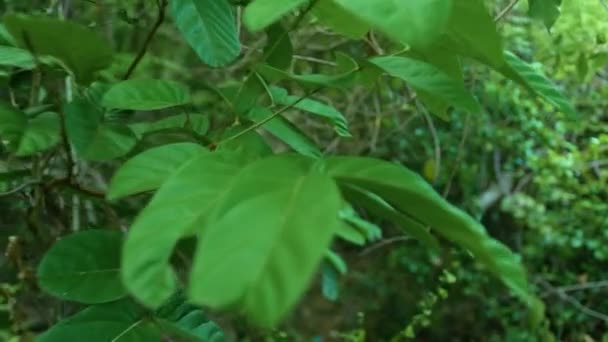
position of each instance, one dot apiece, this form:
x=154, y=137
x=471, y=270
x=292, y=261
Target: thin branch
x=506, y=10
x=19, y=188
x=384, y=243
x=162, y=6
x=264, y=121
x=575, y=302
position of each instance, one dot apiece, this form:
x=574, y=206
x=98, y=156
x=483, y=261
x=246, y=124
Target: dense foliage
x=210, y=170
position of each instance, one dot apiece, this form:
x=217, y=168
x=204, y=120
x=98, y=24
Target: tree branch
x=162, y=6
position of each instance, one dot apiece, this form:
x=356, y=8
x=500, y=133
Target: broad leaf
x=471, y=32
x=279, y=248
x=410, y=194
x=41, y=134
x=417, y=23
x=11, y=56
x=546, y=10
x=278, y=49
x=209, y=27
x=150, y=169
x=145, y=95
x=250, y=144
x=121, y=321
x=261, y=13
x=12, y=125
x=284, y=130
x=430, y=79
x=533, y=79
x=179, y=208
x=197, y=123
x=84, y=267
x=84, y=53
x=92, y=136
x=280, y=96
x=340, y=19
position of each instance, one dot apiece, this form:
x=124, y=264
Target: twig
x=436, y=141
x=19, y=188
x=384, y=243
x=162, y=6
x=506, y=10
x=265, y=120
x=574, y=302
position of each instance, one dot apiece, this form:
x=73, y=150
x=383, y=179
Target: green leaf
x=41, y=134
x=84, y=53
x=546, y=10
x=261, y=13
x=430, y=79
x=12, y=125
x=278, y=49
x=471, y=32
x=329, y=283
x=149, y=170
x=347, y=72
x=182, y=204
x=249, y=144
x=197, y=123
x=93, y=137
x=340, y=19
x=381, y=209
x=15, y=57
x=279, y=248
x=410, y=194
x=121, y=321
x=287, y=132
x=426, y=19
x=186, y=322
x=145, y=95
x=209, y=26
x=84, y=267
x=370, y=231
x=533, y=79
x=280, y=96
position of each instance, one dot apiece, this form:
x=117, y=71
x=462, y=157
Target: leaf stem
x=162, y=6
x=506, y=10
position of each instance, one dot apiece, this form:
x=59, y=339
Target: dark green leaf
x=150, y=169
x=84, y=267
x=92, y=137
x=278, y=50
x=287, y=132
x=121, y=321
x=11, y=56
x=250, y=143
x=197, y=123
x=533, y=79
x=430, y=79
x=546, y=10
x=145, y=95
x=12, y=125
x=340, y=19
x=41, y=134
x=209, y=27
x=280, y=96
x=84, y=53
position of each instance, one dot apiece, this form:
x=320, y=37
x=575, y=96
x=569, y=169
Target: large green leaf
x=285, y=131
x=546, y=10
x=92, y=136
x=41, y=134
x=417, y=23
x=340, y=19
x=197, y=123
x=150, y=169
x=84, y=53
x=247, y=142
x=430, y=79
x=209, y=27
x=280, y=96
x=533, y=79
x=262, y=13
x=145, y=95
x=471, y=32
x=12, y=125
x=179, y=208
x=410, y=194
x=121, y=321
x=267, y=229
x=278, y=49
x=84, y=267
x=11, y=56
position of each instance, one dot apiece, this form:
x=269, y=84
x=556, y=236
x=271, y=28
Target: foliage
x=187, y=200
